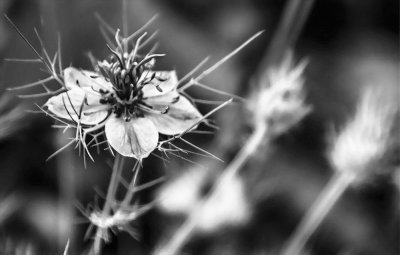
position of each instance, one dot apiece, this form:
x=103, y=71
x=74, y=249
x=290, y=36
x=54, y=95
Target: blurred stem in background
x=183, y=234
x=357, y=154
x=318, y=211
x=9, y=205
x=290, y=26
x=286, y=35
x=66, y=167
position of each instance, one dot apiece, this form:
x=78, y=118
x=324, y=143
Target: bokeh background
x=349, y=44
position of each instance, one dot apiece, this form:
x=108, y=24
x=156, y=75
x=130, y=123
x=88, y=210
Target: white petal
x=164, y=100
x=180, y=116
x=136, y=138
x=84, y=79
x=170, y=83
x=68, y=105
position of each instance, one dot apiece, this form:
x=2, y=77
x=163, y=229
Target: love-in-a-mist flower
x=132, y=102
x=280, y=101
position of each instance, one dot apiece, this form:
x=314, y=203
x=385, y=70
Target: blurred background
x=349, y=44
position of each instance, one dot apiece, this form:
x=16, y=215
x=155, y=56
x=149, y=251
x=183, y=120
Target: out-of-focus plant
x=8, y=206
x=357, y=154
x=10, y=117
x=277, y=107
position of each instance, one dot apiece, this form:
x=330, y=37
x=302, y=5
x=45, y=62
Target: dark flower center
x=128, y=76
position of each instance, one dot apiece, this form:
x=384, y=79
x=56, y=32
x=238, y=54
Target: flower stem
x=250, y=147
x=112, y=187
x=290, y=25
x=318, y=211
x=183, y=234
x=131, y=188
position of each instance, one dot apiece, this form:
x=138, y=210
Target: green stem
x=318, y=211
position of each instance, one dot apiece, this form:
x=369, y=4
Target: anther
x=158, y=88
x=166, y=110
x=161, y=79
x=175, y=100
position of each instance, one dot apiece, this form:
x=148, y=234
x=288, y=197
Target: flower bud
x=362, y=143
x=280, y=103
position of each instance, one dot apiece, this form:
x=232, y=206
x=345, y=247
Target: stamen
x=150, y=109
x=129, y=72
x=117, y=39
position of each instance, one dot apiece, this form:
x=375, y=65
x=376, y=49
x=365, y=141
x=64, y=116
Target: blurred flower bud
x=182, y=194
x=193, y=190
x=280, y=102
x=363, y=142
x=227, y=206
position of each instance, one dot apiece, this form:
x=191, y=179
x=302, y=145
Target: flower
x=366, y=137
x=280, y=102
x=133, y=103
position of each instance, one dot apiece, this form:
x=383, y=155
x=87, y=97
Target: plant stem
x=318, y=211
x=250, y=147
x=131, y=188
x=124, y=15
x=112, y=187
x=183, y=234
x=66, y=167
x=290, y=25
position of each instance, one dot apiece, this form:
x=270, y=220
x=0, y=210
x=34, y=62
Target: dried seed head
x=280, y=102
x=360, y=146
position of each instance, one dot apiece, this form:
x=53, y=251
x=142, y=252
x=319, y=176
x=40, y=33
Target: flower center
x=128, y=77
